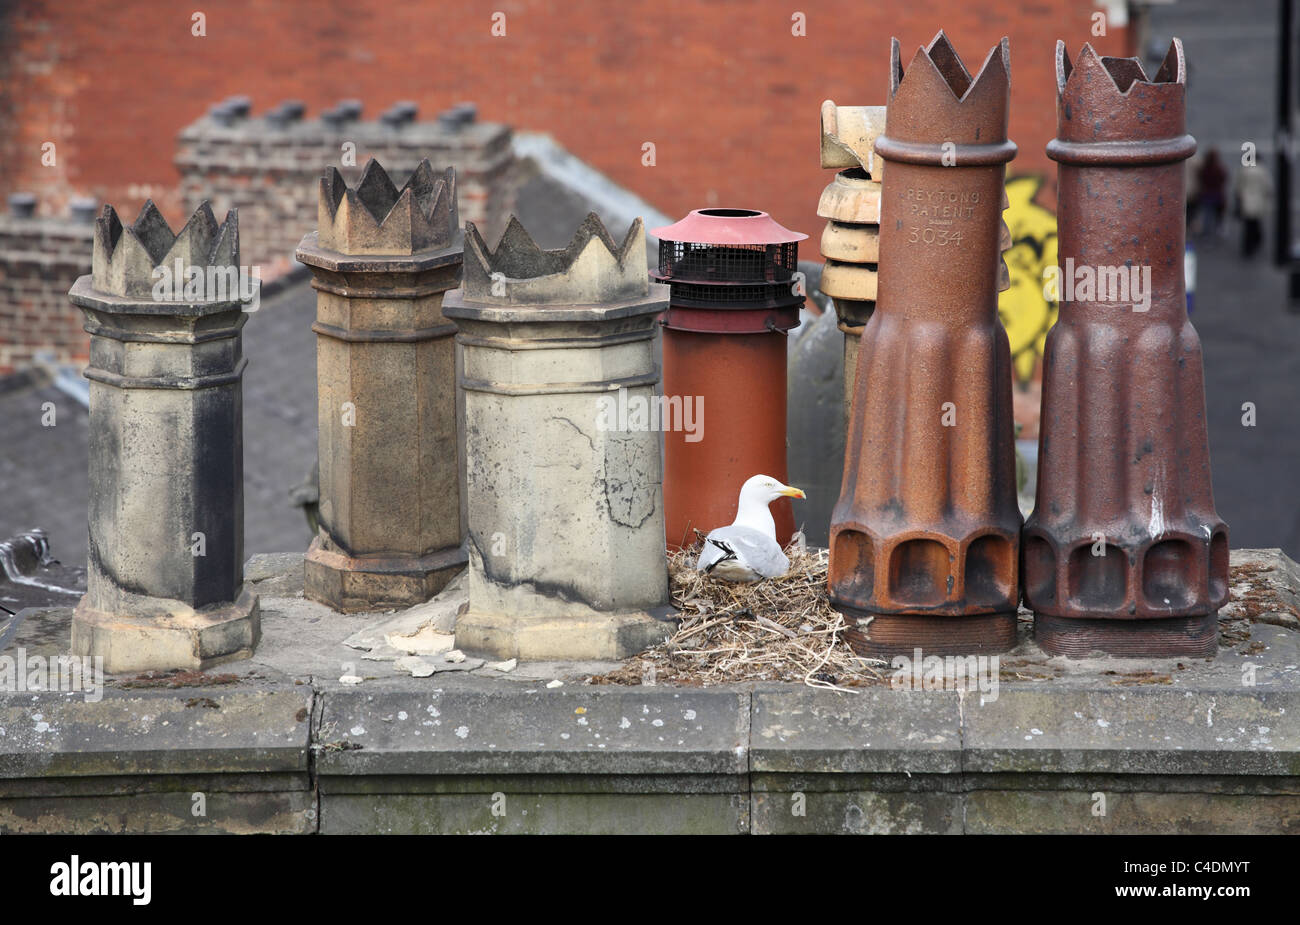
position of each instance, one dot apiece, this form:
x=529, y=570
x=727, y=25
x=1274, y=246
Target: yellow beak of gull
x=794, y=493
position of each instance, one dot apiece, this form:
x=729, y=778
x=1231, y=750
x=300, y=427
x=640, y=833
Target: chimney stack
x=390, y=511
x=566, y=529
x=164, y=583
x=925, y=538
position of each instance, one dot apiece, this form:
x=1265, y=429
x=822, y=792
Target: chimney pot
x=287, y=112
x=222, y=113
x=925, y=537
x=584, y=575
x=1145, y=490
x=22, y=205
x=390, y=525
x=399, y=114
x=83, y=209
x=458, y=116
x=731, y=275
x=165, y=449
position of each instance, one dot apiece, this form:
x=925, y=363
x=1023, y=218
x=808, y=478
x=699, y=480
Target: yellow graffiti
x=1025, y=312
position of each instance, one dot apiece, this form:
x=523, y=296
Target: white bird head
x=764, y=489
x=755, y=495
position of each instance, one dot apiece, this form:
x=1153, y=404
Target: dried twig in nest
x=778, y=629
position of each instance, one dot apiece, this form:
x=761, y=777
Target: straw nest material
x=778, y=629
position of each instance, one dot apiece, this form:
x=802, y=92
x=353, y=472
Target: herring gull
x=747, y=550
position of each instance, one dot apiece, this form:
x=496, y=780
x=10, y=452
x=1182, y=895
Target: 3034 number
x=941, y=237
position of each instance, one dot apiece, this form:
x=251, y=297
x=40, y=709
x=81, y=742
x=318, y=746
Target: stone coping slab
x=592, y=731
x=183, y=731
x=1140, y=731
x=467, y=726
x=808, y=731
x=289, y=709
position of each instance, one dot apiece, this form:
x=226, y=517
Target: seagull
x=747, y=550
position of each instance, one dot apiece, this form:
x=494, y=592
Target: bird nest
x=777, y=629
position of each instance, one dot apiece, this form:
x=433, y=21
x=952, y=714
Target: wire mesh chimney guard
x=734, y=295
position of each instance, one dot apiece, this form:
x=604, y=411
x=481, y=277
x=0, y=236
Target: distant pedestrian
x=1252, y=201
x=1212, y=183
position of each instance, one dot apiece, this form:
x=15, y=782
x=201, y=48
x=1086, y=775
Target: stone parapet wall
x=682, y=760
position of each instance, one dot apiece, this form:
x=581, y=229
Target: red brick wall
x=40, y=259
x=272, y=174
x=727, y=94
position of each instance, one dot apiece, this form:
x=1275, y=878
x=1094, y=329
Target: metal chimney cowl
x=1124, y=552
x=925, y=538
x=566, y=529
x=164, y=580
x=734, y=295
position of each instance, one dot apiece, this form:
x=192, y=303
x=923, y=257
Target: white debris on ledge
x=419, y=666
x=424, y=641
x=419, y=641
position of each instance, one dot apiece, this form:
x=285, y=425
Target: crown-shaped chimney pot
x=936, y=98
x=1136, y=409
x=565, y=333
x=165, y=445
x=376, y=218
x=591, y=270
x=1105, y=99
x=924, y=540
x=390, y=527
x=125, y=257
